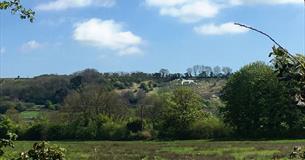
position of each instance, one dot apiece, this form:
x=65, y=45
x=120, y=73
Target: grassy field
x=207, y=150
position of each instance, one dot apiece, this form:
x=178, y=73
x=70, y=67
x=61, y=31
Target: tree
x=189, y=72
x=258, y=104
x=164, y=72
x=92, y=101
x=217, y=70
x=16, y=7
x=196, y=69
x=208, y=70
x=226, y=70
x=180, y=109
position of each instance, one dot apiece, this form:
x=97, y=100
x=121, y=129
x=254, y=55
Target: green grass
x=29, y=114
x=200, y=149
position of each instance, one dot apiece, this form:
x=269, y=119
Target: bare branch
x=265, y=34
x=261, y=32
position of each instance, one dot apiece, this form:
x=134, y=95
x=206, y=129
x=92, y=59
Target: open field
x=201, y=149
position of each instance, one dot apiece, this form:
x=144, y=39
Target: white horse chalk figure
x=183, y=81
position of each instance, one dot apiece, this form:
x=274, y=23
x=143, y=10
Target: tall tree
x=164, y=72
x=217, y=70
x=196, y=69
x=258, y=104
x=208, y=70
x=226, y=70
x=180, y=109
x=189, y=72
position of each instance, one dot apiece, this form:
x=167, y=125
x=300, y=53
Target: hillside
x=45, y=95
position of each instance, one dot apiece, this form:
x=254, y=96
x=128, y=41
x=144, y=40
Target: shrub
x=112, y=131
x=207, y=128
x=119, y=85
x=44, y=151
x=135, y=126
x=109, y=129
x=145, y=87
x=56, y=132
x=7, y=142
x=36, y=132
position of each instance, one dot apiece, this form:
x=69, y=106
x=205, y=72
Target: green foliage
x=291, y=68
x=16, y=7
x=7, y=133
x=7, y=103
x=36, y=90
x=49, y=105
x=36, y=132
x=119, y=85
x=135, y=126
x=145, y=87
x=210, y=127
x=110, y=129
x=180, y=109
x=43, y=151
x=92, y=101
x=6, y=127
x=258, y=104
x=7, y=142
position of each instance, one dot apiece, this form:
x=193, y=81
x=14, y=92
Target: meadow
x=193, y=149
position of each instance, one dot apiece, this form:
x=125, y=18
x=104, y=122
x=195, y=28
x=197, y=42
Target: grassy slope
x=200, y=149
x=206, y=88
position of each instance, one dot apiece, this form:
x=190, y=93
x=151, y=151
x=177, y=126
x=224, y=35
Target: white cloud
x=192, y=12
x=226, y=28
x=196, y=10
x=107, y=34
x=67, y=4
x=31, y=45
x=2, y=50
x=186, y=10
x=269, y=2
x=164, y=3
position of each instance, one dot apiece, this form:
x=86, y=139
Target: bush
x=6, y=127
x=135, y=126
x=36, y=132
x=208, y=128
x=119, y=85
x=56, y=132
x=145, y=87
x=141, y=135
x=112, y=131
x=44, y=151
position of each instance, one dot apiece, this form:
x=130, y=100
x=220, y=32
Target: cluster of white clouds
x=107, y=34
x=67, y=4
x=192, y=11
x=186, y=10
x=226, y=28
x=31, y=45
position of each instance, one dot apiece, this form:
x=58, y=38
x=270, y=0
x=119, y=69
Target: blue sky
x=145, y=35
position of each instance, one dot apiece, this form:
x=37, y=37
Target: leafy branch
x=16, y=7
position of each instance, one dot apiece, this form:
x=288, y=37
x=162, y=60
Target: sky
x=145, y=35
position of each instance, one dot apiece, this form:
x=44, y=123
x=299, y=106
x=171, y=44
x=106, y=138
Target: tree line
x=198, y=71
